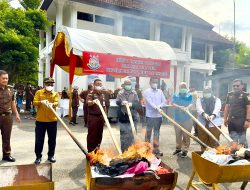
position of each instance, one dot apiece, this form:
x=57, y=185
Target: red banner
x=119, y=65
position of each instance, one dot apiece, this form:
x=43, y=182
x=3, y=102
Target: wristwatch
x=248, y=120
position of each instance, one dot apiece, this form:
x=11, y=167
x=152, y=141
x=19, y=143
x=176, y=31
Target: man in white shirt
x=154, y=99
x=208, y=108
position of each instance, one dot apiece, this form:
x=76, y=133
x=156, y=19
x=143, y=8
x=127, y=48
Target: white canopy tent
x=80, y=40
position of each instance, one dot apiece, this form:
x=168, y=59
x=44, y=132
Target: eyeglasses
x=49, y=84
x=236, y=85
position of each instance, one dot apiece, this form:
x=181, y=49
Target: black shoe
x=38, y=160
x=71, y=123
x=51, y=159
x=184, y=154
x=158, y=153
x=9, y=159
x=75, y=123
x=177, y=151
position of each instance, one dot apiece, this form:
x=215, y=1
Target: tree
x=30, y=4
x=221, y=58
x=243, y=54
x=224, y=58
x=19, y=40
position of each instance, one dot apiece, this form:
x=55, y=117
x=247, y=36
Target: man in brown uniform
x=237, y=113
x=75, y=105
x=95, y=119
x=83, y=99
x=7, y=105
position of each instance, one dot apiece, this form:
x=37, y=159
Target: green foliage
x=19, y=41
x=222, y=57
x=30, y=4
x=243, y=54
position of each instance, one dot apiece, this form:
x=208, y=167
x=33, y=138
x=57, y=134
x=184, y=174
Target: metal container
x=142, y=182
x=26, y=177
x=211, y=174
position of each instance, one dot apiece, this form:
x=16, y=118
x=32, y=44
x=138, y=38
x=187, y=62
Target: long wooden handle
x=224, y=134
x=131, y=120
x=200, y=124
x=182, y=128
x=88, y=156
x=108, y=125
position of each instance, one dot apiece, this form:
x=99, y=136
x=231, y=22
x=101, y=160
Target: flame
x=223, y=149
x=142, y=149
x=138, y=150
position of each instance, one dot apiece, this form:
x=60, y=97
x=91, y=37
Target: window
x=196, y=80
x=172, y=35
x=198, y=51
x=104, y=20
x=91, y=78
x=136, y=28
x=110, y=78
x=85, y=16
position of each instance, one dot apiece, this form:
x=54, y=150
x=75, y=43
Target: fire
x=137, y=150
x=223, y=149
x=141, y=149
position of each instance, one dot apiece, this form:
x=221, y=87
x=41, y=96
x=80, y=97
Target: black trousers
x=41, y=128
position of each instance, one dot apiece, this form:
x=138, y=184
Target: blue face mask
x=128, y=87
x=183, y=91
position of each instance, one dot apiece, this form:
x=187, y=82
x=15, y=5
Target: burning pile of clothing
x=138, y=159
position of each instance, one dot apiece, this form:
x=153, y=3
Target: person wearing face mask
x=184, y=100
x=154, y=98
x=130, y=96
x=75, y=105
x=237, y=113
x=208, y=108
x=46, y=121
x=95, y=119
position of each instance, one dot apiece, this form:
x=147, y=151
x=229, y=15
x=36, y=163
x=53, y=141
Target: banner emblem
x=94, y=62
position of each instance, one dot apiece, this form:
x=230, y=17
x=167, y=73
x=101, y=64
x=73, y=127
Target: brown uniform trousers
x=6, y=128
x=75, y=105
x=6, y=120
x=95, y=121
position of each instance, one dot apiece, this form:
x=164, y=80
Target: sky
x=220, y=13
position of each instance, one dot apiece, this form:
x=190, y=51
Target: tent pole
x=72, y=65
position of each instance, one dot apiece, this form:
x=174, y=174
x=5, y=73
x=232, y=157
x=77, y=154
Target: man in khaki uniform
x=95, y=119
x=7, y=106
x=237, y=113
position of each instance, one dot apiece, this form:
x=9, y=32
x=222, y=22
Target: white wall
x=182, y=56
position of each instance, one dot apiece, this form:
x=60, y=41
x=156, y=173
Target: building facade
x=192, y=38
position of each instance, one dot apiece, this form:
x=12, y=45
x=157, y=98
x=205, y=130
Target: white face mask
x=98, y=87
x=49, y=88
x=154, y=85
